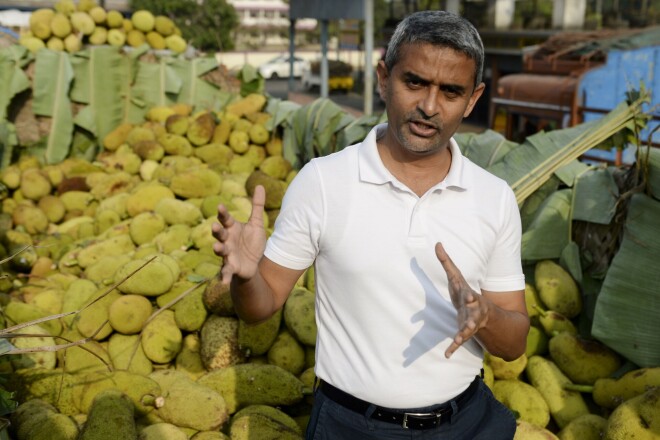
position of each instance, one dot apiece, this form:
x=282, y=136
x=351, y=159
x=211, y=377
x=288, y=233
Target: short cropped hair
x=439, y=28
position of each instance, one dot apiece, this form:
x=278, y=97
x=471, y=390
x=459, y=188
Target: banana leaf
x=548, y=233
x=251, y=80
x=626, y=314
x=156, y=84
x=528, y=166
x=486, y=148
x=194, y=90
x=281, y=110
x=596, y=195
x=13, y=79
x=532, y=203
x=652, y=157
x=133, y=108
x=52, y=83
x=98, y=85
x=358, y=129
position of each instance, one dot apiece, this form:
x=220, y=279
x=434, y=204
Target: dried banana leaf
x=196, y=91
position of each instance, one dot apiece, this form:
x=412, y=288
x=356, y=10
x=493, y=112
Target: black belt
x=410, y=420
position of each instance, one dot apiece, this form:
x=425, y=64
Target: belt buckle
x=429, y=416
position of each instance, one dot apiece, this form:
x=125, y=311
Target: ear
x=476, y=94
x=383, y=74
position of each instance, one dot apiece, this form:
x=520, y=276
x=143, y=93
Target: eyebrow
x=452, y=88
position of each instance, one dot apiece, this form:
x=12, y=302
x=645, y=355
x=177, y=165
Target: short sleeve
x=295, y=239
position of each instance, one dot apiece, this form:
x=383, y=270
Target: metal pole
x=324, y=58
x=292, y=50
x=368, y=54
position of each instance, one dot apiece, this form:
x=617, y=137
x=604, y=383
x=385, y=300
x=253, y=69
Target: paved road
x=351, y=101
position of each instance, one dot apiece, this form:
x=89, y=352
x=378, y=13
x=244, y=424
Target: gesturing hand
x=472, y=308
x=241, y=245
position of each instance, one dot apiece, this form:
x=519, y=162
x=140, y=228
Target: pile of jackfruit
x=118, y=250
x=69, y=26
x=564, y=386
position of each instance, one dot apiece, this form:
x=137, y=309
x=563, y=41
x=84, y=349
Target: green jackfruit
x=145, y=226
x=110, y=417
x=143, y=20
x=201, y=128
x=537, y=342
x=275, y=188
x=287, y=353
x=522, y=399
x=254, y=384
x=636, y=418
x=189, y=360
x=38, y=420
x=92, y=322
x=35, y=184
x=528, y=431
x=126, y=353
x=113, y=246
x=136, y=386
x=299, y=315
x=557, y=289
x=586, y=427
x=256, y=339
x=217, y=298
x=506, y=369
x=276, y=167
x=554, y=322
x=173, y=238
x=144, y=198
x=192, y=405
x=176, y=144
x=190, y=313
x=39, y=359
x=153, y=279
x=127, y=314
x=583, y=360
x=175, y=211
x=609, y=392
x=196, y=183
x=161, y=338
x=20, y=312
x=262, y=421
x=219, y=342
x=565, y=405
x=162, y=431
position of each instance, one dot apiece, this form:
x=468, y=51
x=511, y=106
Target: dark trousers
x=481, y=417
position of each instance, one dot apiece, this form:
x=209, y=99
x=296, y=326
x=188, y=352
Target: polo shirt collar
x=372, y=169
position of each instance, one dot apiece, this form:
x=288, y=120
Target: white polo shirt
x=383, y=310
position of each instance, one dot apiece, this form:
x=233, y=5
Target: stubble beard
x=416, y=145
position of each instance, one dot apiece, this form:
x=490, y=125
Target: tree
x=205, y=24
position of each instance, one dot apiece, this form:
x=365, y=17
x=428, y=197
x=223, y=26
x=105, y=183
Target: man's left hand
x=471, y=306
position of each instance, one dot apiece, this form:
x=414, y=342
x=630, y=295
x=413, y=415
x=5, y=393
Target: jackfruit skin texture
x=219, y=343
x=582, y=360
x=110, y=417
x=161, y=338
x=506, y=370
x=637, y=418
x=191, y=405
x=609, y=392
x=38, y=420
x=256, y=339
x=162, y=431
x=287, y=353
x=261, y=421
x=254, y=384
x=528, y=431
x=557, y=289
x=523, y=399
x=564, y=405
x=586, y=427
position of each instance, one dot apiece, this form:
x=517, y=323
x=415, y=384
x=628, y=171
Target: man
x=401, y=331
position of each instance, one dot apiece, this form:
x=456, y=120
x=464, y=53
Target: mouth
x=422, y=128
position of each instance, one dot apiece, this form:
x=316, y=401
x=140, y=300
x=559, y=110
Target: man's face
x=427, y=94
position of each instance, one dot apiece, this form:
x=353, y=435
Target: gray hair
x=440, y=28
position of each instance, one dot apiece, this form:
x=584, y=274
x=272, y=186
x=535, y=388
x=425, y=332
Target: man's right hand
x=240, y=245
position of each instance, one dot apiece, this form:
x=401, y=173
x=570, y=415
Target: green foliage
x=206, y=24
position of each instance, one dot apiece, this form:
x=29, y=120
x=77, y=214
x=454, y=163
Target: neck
x=419, y=172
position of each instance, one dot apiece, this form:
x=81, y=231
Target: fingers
x=258, y=201
x=465, y=334
x=447, y=263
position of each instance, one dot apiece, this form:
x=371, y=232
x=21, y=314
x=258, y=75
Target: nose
x=428, y=104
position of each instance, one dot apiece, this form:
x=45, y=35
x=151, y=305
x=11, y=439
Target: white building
x=266, y=23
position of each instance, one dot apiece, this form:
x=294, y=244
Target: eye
x=414, y=83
